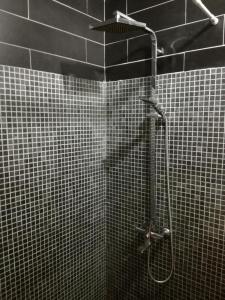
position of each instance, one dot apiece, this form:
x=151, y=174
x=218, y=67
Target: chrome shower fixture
x=149, y=234
x=122, y=23
x=213, y=19
x=155, y=105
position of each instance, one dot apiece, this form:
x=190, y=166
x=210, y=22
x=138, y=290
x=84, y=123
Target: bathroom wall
x=194, y=102
x=189, y=40
x=53, y=36
x=52, y=188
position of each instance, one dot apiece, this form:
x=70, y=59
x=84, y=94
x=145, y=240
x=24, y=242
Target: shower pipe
x=213, y=19
x=166, y=232
x=122, y=23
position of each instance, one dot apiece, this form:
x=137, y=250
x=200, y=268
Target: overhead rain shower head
x=120, y=23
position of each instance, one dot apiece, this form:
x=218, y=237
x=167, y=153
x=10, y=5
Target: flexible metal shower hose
x=169, y=212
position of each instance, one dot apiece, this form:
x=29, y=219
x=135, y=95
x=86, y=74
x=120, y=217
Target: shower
x=122, y=23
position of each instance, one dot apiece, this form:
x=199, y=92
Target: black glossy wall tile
x=52, y=28
x=116, y=53
x=35, y=36
x=173, y=33
x=138, y=5
x=48, y=12
x=194, y=13
x=111, y=37
x=205, y=58
x=164, y=16
x=170, y=64
x=191, y=36
x=160, y=17
x=54, y=64
x=130, y=70
x=139, y=48
x=95, y=54
x=17, y=7
x=96, y=8
x=78, y=4
x=14, y=56
x=113, y=5
x=167, y=64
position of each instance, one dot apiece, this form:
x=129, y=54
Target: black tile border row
x=192, y=60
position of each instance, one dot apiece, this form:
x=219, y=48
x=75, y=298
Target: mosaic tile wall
x=52, y=186
x=195, y=106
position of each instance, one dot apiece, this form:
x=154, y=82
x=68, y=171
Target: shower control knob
x=159, y=236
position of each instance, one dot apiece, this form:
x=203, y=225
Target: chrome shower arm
x=214, y=20
x=154, y=47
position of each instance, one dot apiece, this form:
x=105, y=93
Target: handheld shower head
x=155, y=105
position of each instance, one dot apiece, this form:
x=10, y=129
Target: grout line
x=150, y=7
x=168, y=55
x=67, y=58
x=189, y=23
x=130, y=62
x=166, y=74
x=30, y=59
x=49, y=26
x=72, y=8
x=28, y=9
x=48, y=53
x=161, y=30
x=200, y=49
x=127, y=50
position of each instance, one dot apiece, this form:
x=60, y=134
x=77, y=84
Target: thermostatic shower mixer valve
x=151, y=236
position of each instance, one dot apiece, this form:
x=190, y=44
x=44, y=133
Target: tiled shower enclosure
x=74, y=185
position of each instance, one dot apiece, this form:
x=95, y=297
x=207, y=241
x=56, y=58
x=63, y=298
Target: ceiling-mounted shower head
x=119, y=24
